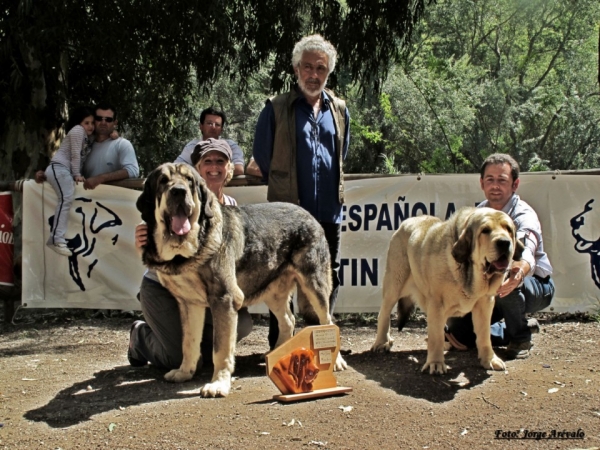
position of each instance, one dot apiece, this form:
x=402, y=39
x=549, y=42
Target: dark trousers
x=535, y=294
x=158, y=341
x=333, y=232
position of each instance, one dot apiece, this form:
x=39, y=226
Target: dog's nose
x=503, y=244
x=178, y=191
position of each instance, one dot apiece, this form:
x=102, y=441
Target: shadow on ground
x=125, y=386
x=400, y=371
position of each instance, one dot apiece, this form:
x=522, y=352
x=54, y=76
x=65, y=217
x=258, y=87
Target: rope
x=15, y=314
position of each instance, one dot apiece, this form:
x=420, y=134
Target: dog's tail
x=405, y=309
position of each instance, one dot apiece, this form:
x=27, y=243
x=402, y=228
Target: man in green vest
x=300, y=144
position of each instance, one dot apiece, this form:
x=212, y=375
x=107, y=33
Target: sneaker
x=533, y=325
x=518, y=350
x=134, y=361
x=61, y=248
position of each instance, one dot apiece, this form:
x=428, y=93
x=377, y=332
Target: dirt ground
x=65, y=383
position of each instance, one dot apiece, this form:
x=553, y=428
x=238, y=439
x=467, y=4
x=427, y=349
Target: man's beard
x=311, y=91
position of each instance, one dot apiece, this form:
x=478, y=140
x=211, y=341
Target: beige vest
x=283, y=176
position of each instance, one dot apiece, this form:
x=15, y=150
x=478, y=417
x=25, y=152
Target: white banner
x=106, y=270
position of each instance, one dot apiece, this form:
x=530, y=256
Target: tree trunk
x=28, y=142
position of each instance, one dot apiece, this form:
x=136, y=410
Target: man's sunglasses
x=105, y=119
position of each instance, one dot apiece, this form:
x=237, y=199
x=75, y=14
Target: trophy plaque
x=302, y=367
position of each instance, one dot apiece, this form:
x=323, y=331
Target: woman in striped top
x=64, y=172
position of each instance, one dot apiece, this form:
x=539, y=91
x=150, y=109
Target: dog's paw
x=495, y=364
x=382, y=347
x=215, y=389
x=435, y=367
x=178, y=376
x=340, y=363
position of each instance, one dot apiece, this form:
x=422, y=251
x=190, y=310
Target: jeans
x=534, y=295
x=61, y=179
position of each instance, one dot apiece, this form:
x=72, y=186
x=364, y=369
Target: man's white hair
x=314, y=43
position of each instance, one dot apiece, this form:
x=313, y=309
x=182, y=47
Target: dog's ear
x=462, y=248
x=295, y=364
x=206, y=197
x=519, y=243
x=208, y=206
x=146, y=202
x=519, y=247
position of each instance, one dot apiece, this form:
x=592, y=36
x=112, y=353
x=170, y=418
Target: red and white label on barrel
x=7, y=243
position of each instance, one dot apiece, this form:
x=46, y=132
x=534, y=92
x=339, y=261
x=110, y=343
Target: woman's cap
x=211, y=145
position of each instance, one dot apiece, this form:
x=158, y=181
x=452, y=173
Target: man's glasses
x=105, y=119
x=213, y=124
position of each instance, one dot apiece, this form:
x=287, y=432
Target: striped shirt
x=73, y=150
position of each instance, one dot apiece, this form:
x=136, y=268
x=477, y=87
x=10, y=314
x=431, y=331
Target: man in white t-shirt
x=110, y=159
x=212, y=122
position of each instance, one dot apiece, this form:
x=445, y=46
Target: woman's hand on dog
x=141, y=235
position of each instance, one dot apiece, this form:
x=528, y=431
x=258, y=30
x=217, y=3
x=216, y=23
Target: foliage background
x=431, y=87
x=161, y=62
x=512, y=76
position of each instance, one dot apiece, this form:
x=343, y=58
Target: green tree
x=150, y=57
x=496, y=76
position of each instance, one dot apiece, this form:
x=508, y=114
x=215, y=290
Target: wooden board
x=324, y=342
x=314, y=394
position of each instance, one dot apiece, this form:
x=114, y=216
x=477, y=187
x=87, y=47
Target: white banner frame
x=111, y=272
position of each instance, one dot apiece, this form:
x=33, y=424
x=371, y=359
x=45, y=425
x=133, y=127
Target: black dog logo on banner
x=585, y=228
x=94, y=218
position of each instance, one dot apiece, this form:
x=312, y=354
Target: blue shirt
x=316, y=160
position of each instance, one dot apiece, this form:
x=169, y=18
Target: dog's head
x=584, y=229
x=297, y=370
x=587, y=239
x=487, y=238
x=305, y=368
x=175, y=204
x=97, y=230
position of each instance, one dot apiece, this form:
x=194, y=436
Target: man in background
x=528, y=286
x=300, y=143
x=212, y=122
x=112, y=158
